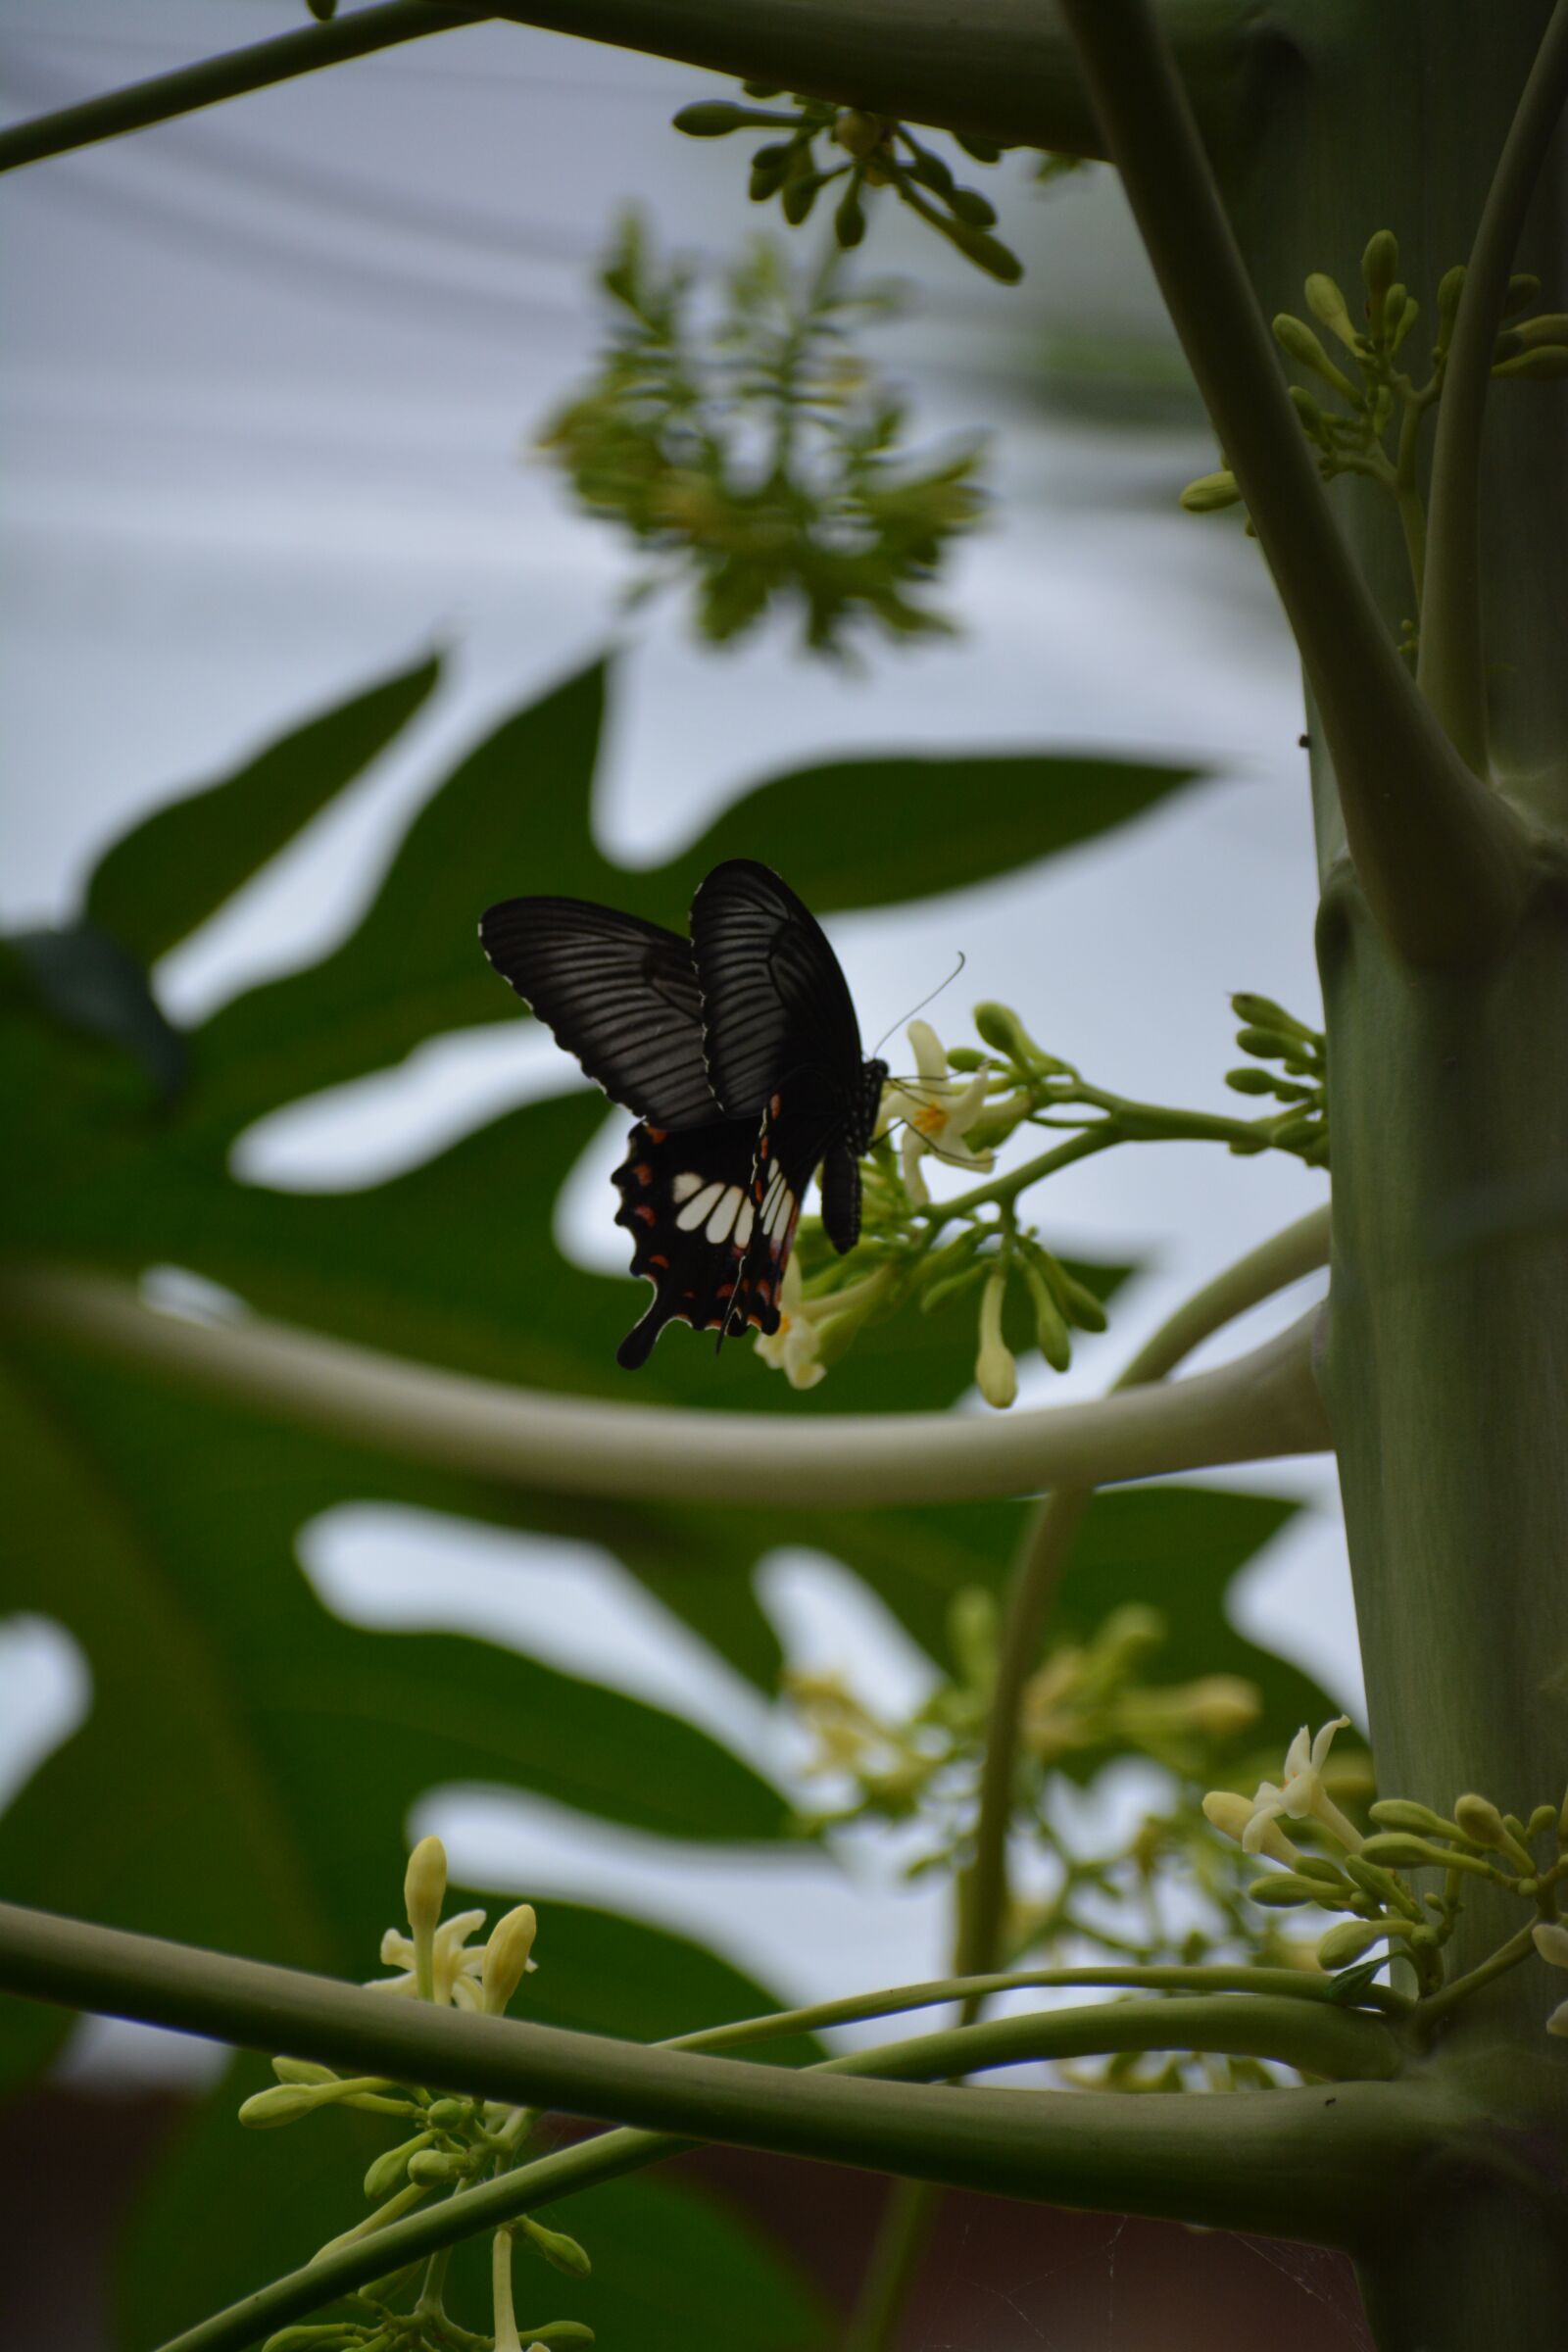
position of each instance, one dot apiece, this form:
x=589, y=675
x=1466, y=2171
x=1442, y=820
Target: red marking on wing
x=654, y=1135
x=645, y=1214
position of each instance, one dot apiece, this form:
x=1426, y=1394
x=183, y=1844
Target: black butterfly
x=740, y=1053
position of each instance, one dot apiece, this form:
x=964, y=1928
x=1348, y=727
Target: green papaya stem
x=1451, y=667
x=1266, y=1402
x=1288, y=2163
x=233, y=75
x=1285, y=1258
x=1007, y=72
x=1441, y=859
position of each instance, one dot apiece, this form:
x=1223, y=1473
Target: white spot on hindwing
x=777, y=1211
x=724, y=1215
x=685, y=1185
x=695, y=1211
x=742, y=1225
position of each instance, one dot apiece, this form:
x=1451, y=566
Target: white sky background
x=270, y=375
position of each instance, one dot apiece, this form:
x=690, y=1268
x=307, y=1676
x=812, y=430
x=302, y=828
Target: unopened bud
x=1550, y=326
x=1378, y=262
x=1448, y=293
x=1296, y=337
x=849, y=221
x=712, y=118
x=1403, y=1813
x=1283, y=1890
x=263, y=2110
x=1232, y=1816
x=1001, y=1028
x=425, y=1885
x=1346, y=1943
x=1051, y=1325
x=1480, y=1821
x=1544, y=363
x=857, y=132
x=389, y=2169
x=506, y=1956
x=556, y=2247
x=1211, y=493
x=1523, y=289
x=994, y=1371
x=1326, y=306
x=303, y=2070
x=431, y=2166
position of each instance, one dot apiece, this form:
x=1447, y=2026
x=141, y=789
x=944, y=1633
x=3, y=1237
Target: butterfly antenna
x=920, y=1008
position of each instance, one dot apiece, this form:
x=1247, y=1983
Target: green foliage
x=864, y=152
x=757, y=456
x=247, y=1768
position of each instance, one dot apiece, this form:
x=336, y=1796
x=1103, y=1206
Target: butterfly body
x=740, y=1053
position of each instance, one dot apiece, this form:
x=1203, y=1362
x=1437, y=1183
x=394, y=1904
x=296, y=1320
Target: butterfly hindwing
x=618, y=993
x=689, y=1204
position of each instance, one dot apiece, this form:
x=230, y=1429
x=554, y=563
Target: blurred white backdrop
x=272, y=375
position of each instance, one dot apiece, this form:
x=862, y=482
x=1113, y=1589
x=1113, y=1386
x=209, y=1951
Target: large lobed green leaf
x=246, y=1773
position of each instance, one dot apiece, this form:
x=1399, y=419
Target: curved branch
x=1291, y=2163
x=1301, y=1248
x=233, y=75
x=1004, y=70
x=1442, y=859
x=1451, y=665
x=613, y=2153
x=1265, y=1403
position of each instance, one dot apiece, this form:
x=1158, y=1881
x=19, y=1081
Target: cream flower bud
x=1223, y=1704
x=506, y=1956
x=994, y=1371
x=1347, y=1942
x=425, y=1885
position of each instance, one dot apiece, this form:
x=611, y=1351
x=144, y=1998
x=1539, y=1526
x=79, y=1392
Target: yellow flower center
x=931, y=1118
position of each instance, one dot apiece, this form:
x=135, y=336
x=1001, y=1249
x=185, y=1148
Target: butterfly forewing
x=618, y=993
x=774, y=1000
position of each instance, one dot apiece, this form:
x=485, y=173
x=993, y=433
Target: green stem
x=1266, y=1402
x=1007, y=73
x=1082, y=1145
x=1407, y=496
x=230, y=75
x=1284, y=1258
x=1285, y=2163
x=1450, y=670
x=1508, y=1955
x=902, y=2232
x=1441, y=859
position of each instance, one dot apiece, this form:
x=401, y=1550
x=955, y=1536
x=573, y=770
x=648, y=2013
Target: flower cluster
x=1164, y=1895
x=454, y=2140
x=957, y=1108
x=1364, y=415
x=864, y=152
x=757, y=456
x=1367, y=1877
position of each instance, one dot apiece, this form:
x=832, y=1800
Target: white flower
x=456, y=1970
x=1302, y=1794
x=1551, y=1943
x=1232, y=1816
x=938, y=1111
x=793, y=1347
x=1302, y=1797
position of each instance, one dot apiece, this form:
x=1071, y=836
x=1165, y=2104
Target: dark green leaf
x=176, y=867
x=878, y=832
